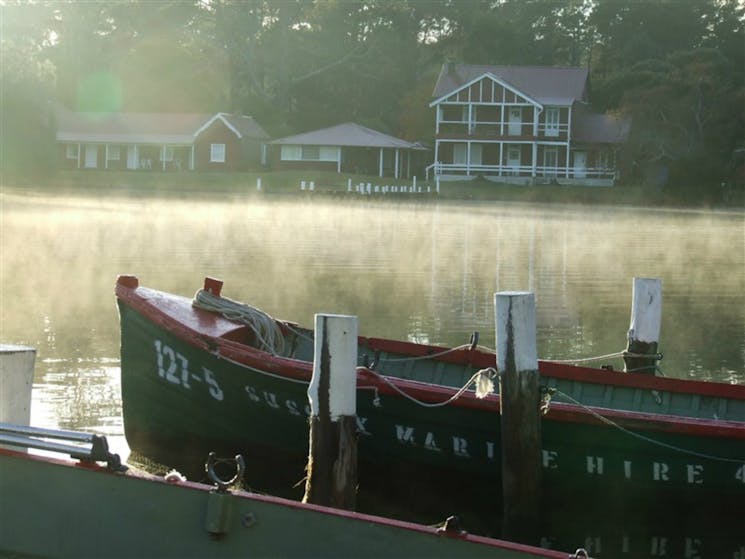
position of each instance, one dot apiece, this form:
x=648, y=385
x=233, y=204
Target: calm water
x=424, y=271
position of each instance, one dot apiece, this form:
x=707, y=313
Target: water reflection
x=422, y=271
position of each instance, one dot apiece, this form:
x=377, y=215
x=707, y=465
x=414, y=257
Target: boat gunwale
x=295, y=369
x=95, y=468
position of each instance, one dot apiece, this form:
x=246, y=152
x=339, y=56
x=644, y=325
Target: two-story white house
x=522, y=125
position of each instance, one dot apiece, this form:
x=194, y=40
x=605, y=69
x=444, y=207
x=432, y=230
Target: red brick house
x=348, y=148
x=159, y=141
x=523, y=125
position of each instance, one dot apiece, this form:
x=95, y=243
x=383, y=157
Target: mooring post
x=644, y=332
x=517, y=363
x=332, y=461
x=16, y=381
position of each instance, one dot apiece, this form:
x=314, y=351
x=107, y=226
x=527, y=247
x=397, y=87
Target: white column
x=16, y=380
x=380, y=166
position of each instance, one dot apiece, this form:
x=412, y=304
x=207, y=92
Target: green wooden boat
x=93, y=507
x=196, y=380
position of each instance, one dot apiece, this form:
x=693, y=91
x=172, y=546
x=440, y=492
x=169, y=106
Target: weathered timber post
x=332, y=461
x=644, y=331
x=16, y=381
x=517, y=363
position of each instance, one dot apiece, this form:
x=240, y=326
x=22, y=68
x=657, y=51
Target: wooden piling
x=332, y=461
x=16, y=380
x=644, y=331
x=517, y=363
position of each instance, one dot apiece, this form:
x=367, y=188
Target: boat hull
x=57, y=508
x=183, y=397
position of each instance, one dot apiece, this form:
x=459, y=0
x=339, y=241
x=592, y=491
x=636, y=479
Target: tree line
x=676, y=67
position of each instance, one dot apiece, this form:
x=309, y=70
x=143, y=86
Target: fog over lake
x=425, y=271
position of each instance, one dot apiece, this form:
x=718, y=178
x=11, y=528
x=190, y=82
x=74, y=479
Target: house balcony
x=501, y=131
x=524, y=174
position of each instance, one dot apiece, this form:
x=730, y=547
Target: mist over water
x=424, y=271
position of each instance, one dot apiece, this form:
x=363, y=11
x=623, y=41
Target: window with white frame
x=550, y=162
x=113, y=153
x=552, y=121
x=604, y=160
x=71, y=151
x=291, y=153
x=461, y=154
x=329, y=153
x=217, y=153
x=309, y=153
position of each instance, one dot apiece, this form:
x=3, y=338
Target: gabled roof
x=589, y=127
x=348, y=134
x=241, y=125
x=143, y=128
x=547, y=85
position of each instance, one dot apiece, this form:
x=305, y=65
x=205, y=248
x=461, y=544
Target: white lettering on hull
x=174, y=368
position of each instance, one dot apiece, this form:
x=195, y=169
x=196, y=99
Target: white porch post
x=468, y=158
x=106, y=157
x=163, y=156
x=535, y=158
x=437, y=119
x=79, y=148
x=501, y=156
x=395, y=172
x=338, y=159
x=380, y=166
x=191, y=158
x=569, y=139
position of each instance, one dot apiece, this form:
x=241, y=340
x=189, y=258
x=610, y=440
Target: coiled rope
x=266, y=330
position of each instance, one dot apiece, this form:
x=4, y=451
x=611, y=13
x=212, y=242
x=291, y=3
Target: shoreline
x=288, y=183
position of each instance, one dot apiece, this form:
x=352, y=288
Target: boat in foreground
x=81, y=507
x=208, y=373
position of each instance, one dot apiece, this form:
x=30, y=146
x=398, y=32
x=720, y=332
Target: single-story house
x=523, y=124
x=159, y=141
x=347, y=148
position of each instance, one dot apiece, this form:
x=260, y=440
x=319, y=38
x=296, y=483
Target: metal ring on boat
x=222, y=484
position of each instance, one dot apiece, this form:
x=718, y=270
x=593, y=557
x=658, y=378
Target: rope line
x=268, y=334
x=421, y=357
x=612, y=423
x=477, y=377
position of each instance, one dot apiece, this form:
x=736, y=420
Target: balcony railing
x=526, y=171
x=462, y=128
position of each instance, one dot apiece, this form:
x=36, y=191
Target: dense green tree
x=676, y=66
x=26, y=87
